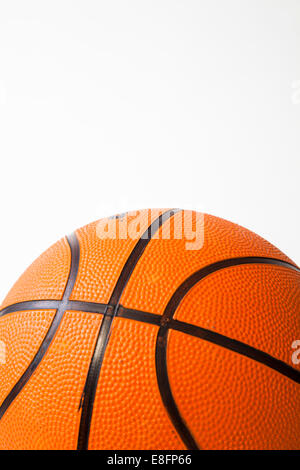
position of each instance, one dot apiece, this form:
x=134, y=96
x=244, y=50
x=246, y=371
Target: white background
x=107, y=106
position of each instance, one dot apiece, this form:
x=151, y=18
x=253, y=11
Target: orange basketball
x=162, y=329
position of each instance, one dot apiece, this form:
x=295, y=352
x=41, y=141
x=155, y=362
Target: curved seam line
x=163, y=333
x=237, y=346
x=31, y=305
x=66, y=304
x=75, y=254
x=166, y=391
x=74, y=305
x=215, y=338
x=204, y=272
x=53, y=304
x=188, y=328
x=89, y=392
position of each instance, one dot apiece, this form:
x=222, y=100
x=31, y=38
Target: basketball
x=155, y=329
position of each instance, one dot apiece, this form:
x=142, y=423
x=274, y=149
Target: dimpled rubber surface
x=128, y=410
x=46, y=278
x=22, y=333
x=45, y=415
x=166, y=263
x=96, y=280
x=256, y=304
x=230, y=401
x=225, y=399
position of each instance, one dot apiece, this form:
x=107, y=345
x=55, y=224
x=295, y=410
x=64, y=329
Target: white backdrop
x=110, y=105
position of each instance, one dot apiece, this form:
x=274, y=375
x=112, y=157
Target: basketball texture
x=141, y=342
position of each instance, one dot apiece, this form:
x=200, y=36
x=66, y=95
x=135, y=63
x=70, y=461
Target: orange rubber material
x=45, y=415
x=256, y=304
x=96, y=280
x=128, y=410
x=46, y=278
x=22, y=333
x=167, y=263
x=232, y=402
x=225, y=399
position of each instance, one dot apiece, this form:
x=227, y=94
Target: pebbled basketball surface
x=141, y=343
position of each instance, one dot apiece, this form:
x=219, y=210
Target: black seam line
x=155, y=319
x=238, y=347
x=89, y=392
x=74, y=305
x=75, y=255
x=214, y=337
x=188, y=328
x=89, y=307
x=191, y=281
x=163, y=335
x=31, y=305
x=140, y=316
x=94, y=307
x=161, y=365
